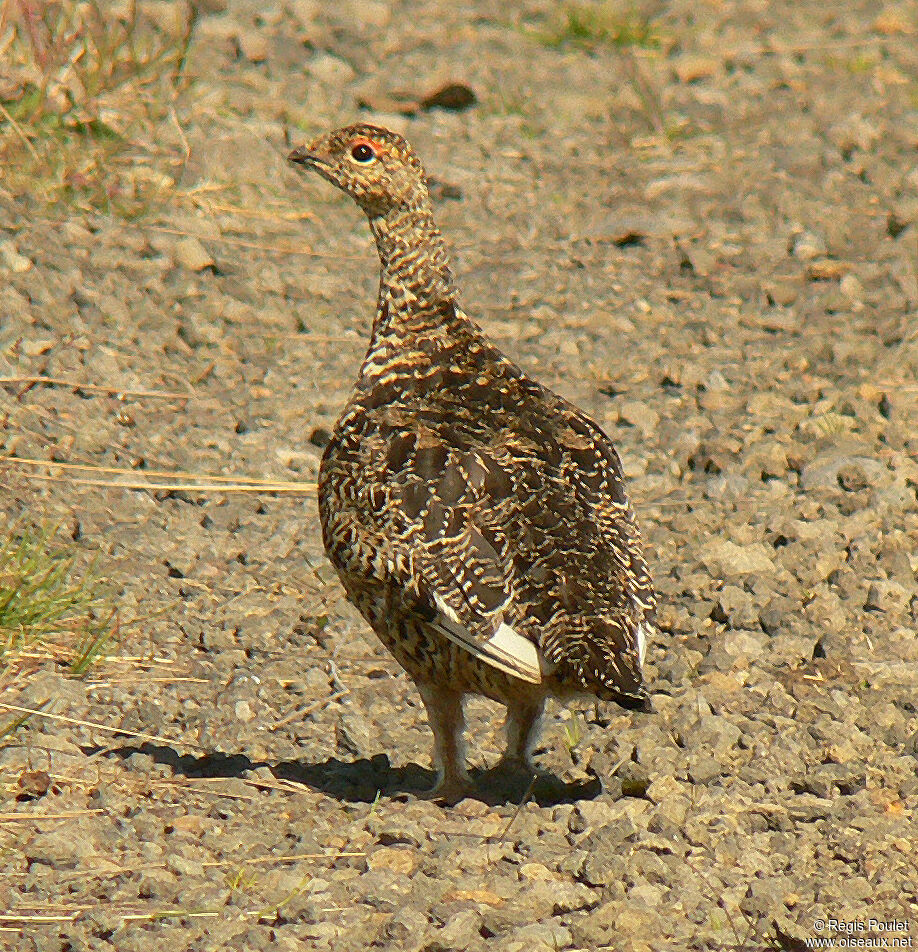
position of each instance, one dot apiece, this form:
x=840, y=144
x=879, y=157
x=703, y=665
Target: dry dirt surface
x=707, y=237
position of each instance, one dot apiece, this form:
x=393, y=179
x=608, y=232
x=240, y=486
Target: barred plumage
x=477, y=520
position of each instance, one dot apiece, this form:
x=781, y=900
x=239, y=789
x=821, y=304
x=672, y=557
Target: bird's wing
x=447, y=525
x=519, y=546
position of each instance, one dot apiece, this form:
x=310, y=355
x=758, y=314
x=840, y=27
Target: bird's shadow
x=366, y=779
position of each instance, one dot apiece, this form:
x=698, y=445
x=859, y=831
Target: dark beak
x=302, y=156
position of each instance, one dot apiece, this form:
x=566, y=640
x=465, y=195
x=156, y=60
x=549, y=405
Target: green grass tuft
x=573, y=733
x=593, y=26
x=47, y=607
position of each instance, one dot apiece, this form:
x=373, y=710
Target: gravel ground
x=712, y=247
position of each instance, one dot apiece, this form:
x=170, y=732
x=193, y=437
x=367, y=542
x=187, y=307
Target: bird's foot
x=450, y=790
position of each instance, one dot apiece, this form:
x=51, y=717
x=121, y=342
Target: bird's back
x=454, y=477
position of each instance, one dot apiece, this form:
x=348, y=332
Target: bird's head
x=375, y=166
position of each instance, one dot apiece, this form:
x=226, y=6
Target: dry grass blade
x=260, y=245
x=284, y=214
x=101, y=727
x=269, y=860
x=27, y=919
x=302, y=712
x=124, y=471
x=15, y=724
x=292, y=858
x=519, y=809
x=18, y=130
x=171, y=914
x=305, y=489
x=96, y=388
x=42, y=817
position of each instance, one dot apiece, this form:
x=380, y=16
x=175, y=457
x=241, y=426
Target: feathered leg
x=447, y=721
x=524, y=718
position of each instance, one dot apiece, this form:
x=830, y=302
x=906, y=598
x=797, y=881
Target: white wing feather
x=642, y=643
x=506, y=649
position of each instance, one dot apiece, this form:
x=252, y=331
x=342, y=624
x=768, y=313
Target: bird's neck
x=415, y=265
x=417, y=296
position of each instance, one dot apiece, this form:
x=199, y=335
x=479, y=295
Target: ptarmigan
x=477, y=520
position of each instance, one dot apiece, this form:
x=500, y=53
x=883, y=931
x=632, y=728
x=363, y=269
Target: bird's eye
x=362, y=153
